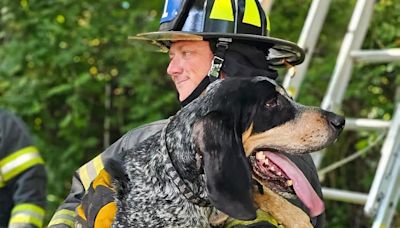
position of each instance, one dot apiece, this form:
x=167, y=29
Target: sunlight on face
x=189, y=63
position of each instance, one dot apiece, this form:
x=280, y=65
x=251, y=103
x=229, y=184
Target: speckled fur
x=151, y=199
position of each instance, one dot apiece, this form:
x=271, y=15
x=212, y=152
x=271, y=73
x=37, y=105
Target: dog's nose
x=336, y=121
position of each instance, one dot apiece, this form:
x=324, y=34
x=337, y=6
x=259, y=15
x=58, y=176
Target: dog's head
x=248, y=123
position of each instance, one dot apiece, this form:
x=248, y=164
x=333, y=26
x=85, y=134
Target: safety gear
x=243, y=60
x=66, y=215
x=22, y=176
x=226, y=21
x=98, y=207
x=240, y=60
x=196, y=92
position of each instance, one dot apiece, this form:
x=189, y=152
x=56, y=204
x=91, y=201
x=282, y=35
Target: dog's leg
x=282, y=210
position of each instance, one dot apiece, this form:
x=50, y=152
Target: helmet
x=222, y=20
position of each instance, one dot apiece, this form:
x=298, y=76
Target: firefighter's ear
x=228, y=177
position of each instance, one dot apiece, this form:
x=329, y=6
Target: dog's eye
x=271, y=103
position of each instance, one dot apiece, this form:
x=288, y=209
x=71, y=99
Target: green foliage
x=58, y=59
x=68, y=69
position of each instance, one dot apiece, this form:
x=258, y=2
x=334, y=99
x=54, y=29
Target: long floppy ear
x=228, y=177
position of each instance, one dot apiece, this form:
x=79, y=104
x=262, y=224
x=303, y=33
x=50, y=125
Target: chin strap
x=196, y=92
x=219, y=55
x=214, y=72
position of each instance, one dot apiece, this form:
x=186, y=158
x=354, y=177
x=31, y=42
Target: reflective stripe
x=84, y=176
x=63, y=216
x=2, y=183
x=19, y=161
x=222, y=10
x=251, y=13
x=98, y=164
x=27, y=213
x=90, y=170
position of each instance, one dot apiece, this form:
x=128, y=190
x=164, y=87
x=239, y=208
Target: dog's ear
x=228, y=177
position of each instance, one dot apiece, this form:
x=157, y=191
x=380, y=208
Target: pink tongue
x=301, y=186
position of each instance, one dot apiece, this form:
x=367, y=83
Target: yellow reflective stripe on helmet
x=251, y=13
x=90, y=170
x=28, y=214
x=19, y=161
x=63, y=216
x=222, y=10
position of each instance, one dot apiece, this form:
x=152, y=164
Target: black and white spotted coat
x=151, y=198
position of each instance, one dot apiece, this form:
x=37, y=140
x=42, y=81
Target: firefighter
x=22, y=176
x=206, y=40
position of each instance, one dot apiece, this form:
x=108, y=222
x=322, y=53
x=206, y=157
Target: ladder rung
x=344, y=196
x=366, y=124
x=377, y=56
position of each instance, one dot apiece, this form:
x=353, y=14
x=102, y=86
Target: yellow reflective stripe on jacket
x=222, y=10
x=90, y=170
x=19, y=161
x=27, y=214
x=63, y=216
x=251, y=13
x=97, y=208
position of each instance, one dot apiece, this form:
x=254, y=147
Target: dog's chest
x=152, y=199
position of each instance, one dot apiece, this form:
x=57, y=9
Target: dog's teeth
x=266, y=161
x=272, y=168
x=260, y=156
x=289, y=183
x=279, y=173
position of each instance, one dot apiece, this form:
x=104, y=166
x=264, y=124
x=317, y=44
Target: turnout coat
x=22, y=176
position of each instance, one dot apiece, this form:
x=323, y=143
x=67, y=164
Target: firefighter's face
x=189, y=63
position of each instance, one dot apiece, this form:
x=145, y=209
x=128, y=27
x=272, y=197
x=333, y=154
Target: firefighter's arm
x=66, y=215
x=22, y=171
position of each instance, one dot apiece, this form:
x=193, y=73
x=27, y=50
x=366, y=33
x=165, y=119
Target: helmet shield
x=237, y=20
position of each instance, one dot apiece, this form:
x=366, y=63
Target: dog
x=215, y=157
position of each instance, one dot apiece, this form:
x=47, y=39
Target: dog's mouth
x=271, y=175
x=275, y=171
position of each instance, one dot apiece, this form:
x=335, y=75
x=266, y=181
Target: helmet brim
x=281, y=52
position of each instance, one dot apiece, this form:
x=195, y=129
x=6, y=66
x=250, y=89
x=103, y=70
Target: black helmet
x=222, y=20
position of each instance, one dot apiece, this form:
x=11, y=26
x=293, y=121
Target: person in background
x=22, y=176
x=206, y=40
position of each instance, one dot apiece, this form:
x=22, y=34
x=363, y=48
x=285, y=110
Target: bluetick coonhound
x=206, y=159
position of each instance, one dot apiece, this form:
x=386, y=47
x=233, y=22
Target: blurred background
x=69, y=71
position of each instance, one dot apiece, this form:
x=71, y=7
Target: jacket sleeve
x=22, y=175
x=65, y=215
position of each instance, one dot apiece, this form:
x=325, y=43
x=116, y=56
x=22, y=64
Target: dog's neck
x=182, y=152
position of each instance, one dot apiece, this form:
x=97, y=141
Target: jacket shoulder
x=116, y=152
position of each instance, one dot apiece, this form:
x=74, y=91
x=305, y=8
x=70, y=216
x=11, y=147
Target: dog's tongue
x=301, y=186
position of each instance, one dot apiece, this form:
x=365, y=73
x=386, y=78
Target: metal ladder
x=380, y=202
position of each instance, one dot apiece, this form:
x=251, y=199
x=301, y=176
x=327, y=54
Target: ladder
x=380, y=203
